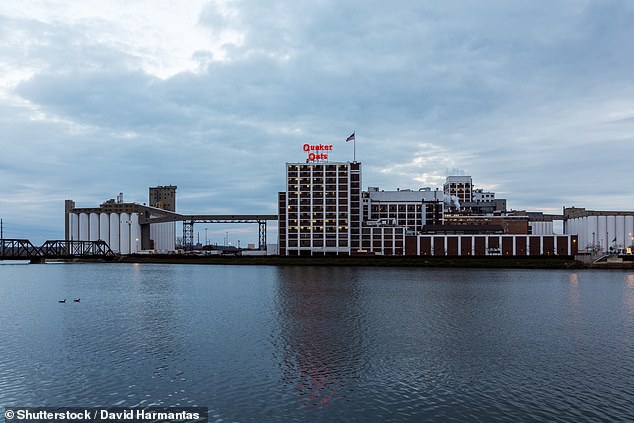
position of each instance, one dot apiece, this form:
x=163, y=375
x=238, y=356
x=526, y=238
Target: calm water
x=321, y=344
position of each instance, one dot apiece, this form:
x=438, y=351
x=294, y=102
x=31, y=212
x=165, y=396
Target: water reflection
x=131, y=320
x=159, y=324
x=628, y=298
x=573, y=290
x=319, y=332
x=322, y=344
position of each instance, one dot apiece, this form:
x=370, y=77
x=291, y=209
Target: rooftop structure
x=458, y=189
x=163, y=197
x=408, y=208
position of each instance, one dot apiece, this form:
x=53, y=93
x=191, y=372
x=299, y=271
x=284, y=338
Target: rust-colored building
x=491, y=245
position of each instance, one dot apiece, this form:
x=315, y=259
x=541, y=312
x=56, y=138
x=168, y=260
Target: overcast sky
x=534, y=100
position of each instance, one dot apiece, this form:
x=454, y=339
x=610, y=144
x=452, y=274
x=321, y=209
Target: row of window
x=376, y=244
x=318, y=202
x=318, y=225
x=318, y=243
x=317, y=188
x=330, y=179
x=396, y=208
x=316, y=229
x=307, y=167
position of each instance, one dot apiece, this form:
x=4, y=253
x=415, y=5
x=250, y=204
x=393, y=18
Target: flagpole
x=354, y=147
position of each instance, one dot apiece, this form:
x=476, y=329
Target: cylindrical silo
x=94, y=226
x=162, y=237
x=114, y=232
x=84, y=224
x=135, y=233
x=153, y=235
x=171, y=246
x=124, y=233
x=611, y=230
x=104, y=227
x=74, y=226
x=629, y=230
x=602, y=232
x=593, y=231
x=582, y=231
x=620, y=231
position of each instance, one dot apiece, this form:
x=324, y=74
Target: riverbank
x=368, y=261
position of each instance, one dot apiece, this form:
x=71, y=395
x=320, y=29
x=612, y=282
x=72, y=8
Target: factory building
x=122, y=225
x=408, y=208
x=323, y=212
x=600, y=231
x=320, y=212
x=389, y=215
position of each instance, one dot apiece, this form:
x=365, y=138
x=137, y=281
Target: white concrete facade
x=121, y=232
x=602, y=233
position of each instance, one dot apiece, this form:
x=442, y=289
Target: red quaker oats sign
x=317, y=152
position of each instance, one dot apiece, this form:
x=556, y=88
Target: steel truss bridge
x=23, y=249
x=190, y=220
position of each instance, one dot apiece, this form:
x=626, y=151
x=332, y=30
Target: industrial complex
x=324, y=211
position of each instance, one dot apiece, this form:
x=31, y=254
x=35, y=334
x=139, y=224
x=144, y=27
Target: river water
x=259, y=343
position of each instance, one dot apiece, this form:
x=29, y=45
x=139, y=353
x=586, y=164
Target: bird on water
x=62, y=301
x=76, y=301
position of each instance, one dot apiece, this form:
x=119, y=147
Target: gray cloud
x=532, y=99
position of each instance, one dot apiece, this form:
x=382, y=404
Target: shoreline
x=373, y=261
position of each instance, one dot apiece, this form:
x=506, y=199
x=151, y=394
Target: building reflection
x=319, y=332
x=573, y=290
x=158, y=321
x=628, y=297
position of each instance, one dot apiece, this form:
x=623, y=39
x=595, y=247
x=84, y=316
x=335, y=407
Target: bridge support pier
x=262, y=235
x=188, y=235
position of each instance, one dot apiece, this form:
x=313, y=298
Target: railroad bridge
x=23, y=249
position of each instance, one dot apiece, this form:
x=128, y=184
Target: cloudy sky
x=534, y=100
